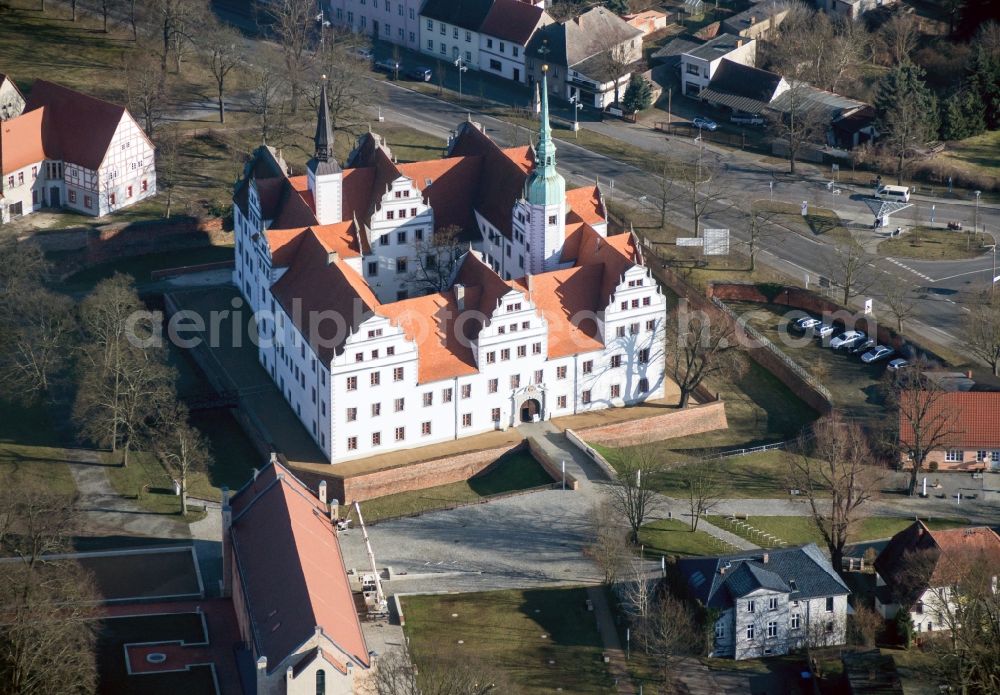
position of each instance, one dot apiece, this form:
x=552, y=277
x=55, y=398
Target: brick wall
x=138, y=238
x=676, y=423
x=415, y=476
x=553, y=468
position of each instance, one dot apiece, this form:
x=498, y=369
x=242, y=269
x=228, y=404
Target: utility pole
x=460, y=64
x=670, y=94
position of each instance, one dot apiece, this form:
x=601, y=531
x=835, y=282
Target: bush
x=932, y=466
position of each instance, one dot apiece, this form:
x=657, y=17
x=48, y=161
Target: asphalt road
x=941, y=286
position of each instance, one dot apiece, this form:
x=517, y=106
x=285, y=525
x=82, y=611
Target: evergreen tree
x=638, y=95
x=907, y=113
x=962, y=115
x=984, y=80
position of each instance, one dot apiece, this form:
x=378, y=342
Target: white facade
x=395, y=21
x=699, y=65
x=448, y=42
x=11, y=99
x=502, y=58
x=776, y=624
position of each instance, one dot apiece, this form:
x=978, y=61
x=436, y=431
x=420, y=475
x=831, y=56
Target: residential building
x=395, y=21
x=73, y=151
x=649, y=21
x=591, y=57
x=918, y=571
x=743, y=89
x=504, y=37
x=972, y=419
x=449, y=30
x=544, y=315
x=283, y=568
x=769, y=602
x=11, y=99
x=852, y=9
x=698, y=65
x=757, y=22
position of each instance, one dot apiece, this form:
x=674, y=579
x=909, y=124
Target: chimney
x=332, y=257
x=739, y=43
x=968, y=374
x=255, y=472
x=262, y=674
x=322, y=491
x=531, y=284
x=753, y=20
x=274, y=457
x=459, y=296
x=289, y=674
x=765, y=558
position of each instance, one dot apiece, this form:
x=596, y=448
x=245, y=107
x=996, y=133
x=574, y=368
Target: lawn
x=540, y=639
x=935, y=244
x=115, y=633
x=820, y=223
x=30, y=451
x=518, y=471
x=147, y=481
x=140, y=267
x=977, y=154
x=674, y=537
x=796, y=530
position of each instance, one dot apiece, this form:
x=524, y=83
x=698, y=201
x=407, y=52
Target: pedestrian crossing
x=915, y=272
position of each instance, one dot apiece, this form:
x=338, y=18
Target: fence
x=768, y=345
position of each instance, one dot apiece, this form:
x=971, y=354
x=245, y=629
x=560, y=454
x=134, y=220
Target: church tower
x=326, y=179
x=545, y=196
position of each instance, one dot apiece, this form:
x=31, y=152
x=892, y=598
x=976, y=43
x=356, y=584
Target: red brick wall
x=416, y=476
x=676, y=423
x=553, y=468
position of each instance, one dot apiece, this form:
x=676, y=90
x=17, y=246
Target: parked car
x=804, y=324
x=824, y=330
x=363, y=53
x=877, y=353
x=704, y=123
x=420, y=74
x=848, y=339
x=897, y=364
x=389, y=65
x=863, y=347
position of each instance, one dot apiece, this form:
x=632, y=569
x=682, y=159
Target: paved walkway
x=617, y=666
x=108, y=512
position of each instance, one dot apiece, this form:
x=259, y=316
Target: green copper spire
x=545, y=185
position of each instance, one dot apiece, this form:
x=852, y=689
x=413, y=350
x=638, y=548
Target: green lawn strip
x=518, y=471
x=518, y=632
x=935, y=244
x=147, y=481
x=233, y=454
x=819, y=222
x=30, y=455
x=797, y=530
x=141, y=267
x=674, y=537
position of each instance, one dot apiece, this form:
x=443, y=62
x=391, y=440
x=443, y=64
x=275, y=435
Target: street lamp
x=460, y=64
x=975, y=221
x=576, y=110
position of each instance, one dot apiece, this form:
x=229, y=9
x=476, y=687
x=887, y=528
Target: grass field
x=518, y=471
x=140, y=267
x=820, y=223
x=517, y=632
x=114, y=634
x=674, y=537
x=795, y=530
x=30, y=451
x=146, y=481
x=935, y=244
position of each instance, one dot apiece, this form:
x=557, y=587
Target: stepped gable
x=565, y=297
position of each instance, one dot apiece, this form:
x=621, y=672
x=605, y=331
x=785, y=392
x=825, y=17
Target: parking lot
x=857, y=388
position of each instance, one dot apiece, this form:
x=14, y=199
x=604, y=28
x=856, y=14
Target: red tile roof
x=947, y=554
x=974, y=416
x=616, y=254
x=77, y=127
x=563, y=297
x=452, y=187
x=585, y=205
x=291, y=569
x=512, y=20
x=21, y=141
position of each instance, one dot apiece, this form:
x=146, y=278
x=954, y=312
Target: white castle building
x=543, y=315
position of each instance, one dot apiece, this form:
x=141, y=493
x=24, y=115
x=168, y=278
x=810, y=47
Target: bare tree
x=925, y=424
x=348, y=88
x=145, y=88
x=266, y=95
x=699, y=185
x=174, y=22
x=866, y=624
x=35, y=521
x=436, y=258
x=615, y=66
x=632, y=493
x=35, y=342
x=440, y=673
x=760, y=228
x=293, y=25
x=835, y=472
x=669, y=635
x=168, y=166
x=182, y=448
x=982, y=331
x=705, y=485
x=801, y=123
x=899, y=37
x=700, y=348
x=608, y=547
x=900, y=302
x=225, y=50
x=853, y=270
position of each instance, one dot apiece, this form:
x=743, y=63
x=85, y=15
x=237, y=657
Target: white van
x=901, y=193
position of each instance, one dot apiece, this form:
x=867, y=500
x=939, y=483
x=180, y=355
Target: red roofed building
x=380, y=338
x=919, y=569
x=283, y=567
x=972, y=419
x=504, y=37
x=73, y=151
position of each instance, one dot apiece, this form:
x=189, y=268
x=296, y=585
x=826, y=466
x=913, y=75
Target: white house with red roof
x=283, y=568
x=970, y=426
x=73, y=151
x=504, y=37
x=544, y=315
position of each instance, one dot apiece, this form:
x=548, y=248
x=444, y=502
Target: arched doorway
x=530, y=410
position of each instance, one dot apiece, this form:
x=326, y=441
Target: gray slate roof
x=674, y=47
x=756, y=14
x=717, y=47
x=741, y=87
x=828, y=104
x=806, y=566
x=575, y=40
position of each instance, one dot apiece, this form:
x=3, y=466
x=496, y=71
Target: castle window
x=616, y=391
x=552, y=218
x=588, y=366
x=495, y=415
x=425, y=428
x=376, y=438
x=352, y=443
x=585, y=397
x=561, y=402
x=467, y=420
